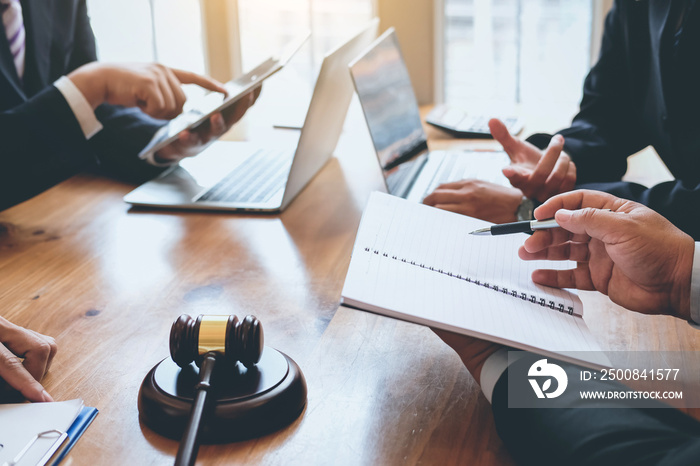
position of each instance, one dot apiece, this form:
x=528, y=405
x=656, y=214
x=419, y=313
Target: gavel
x=206, y=340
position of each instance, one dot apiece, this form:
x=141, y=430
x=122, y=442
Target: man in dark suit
x=642, y=262
x=642, y=91
x=60, y=112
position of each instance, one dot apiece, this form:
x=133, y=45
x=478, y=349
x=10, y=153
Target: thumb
x=596, y=223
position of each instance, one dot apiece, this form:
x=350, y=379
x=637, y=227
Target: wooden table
x=107, y=281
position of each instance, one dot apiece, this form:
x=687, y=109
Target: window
x=168, y=31
x=171, y=32
x=509, y=54
x=266, y=26
x=499, y=56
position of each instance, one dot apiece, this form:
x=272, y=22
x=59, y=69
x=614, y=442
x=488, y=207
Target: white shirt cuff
x=79, y=105
x=695, y=289
x=494, y=366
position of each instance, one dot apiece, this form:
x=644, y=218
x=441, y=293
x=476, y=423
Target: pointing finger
x=187, y=77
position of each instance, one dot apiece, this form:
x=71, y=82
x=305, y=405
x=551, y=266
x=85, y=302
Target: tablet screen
x=214, y=102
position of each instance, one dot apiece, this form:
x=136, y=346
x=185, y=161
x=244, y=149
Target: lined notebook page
x=412, y=261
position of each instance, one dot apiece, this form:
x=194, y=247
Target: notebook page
x=427, y=237
x=390, y=272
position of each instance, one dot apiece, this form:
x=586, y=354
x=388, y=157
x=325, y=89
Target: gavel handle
x=189, y=445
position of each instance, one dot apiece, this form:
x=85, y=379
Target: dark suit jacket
x=41, y=142
x=641, y=92
x=616, y=434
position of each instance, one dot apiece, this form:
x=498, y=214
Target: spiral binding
x=514, y=293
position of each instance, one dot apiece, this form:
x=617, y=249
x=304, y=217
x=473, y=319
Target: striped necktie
x=14, y=29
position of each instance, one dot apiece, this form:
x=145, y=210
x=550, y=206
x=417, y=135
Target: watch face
x=525, y=210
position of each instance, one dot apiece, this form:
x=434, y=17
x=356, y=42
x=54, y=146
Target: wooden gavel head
x=226, y=336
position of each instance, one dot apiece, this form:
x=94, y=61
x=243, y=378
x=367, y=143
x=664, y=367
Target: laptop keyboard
x=256, y=180
x=458, y=166
x=480, y=124
x=396, y=181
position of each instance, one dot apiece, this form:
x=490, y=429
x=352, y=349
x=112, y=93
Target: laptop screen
x=389, y=104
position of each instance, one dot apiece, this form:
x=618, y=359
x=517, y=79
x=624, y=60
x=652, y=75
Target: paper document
x=21, y=423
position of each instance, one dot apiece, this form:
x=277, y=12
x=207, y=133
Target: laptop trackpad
x=183, y=183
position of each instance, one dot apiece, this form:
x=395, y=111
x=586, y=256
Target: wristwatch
x=525, y=210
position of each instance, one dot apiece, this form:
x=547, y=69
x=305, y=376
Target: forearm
x=42, y=144
x=91, y=81
x=126, y=132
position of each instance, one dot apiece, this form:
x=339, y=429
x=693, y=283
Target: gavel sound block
x=248, y=400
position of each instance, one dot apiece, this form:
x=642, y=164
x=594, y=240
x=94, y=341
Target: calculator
x=459, y=124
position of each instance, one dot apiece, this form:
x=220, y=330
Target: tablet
x=215, y=102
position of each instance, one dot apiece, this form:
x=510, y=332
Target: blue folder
x=75, y=431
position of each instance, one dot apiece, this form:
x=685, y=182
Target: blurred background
x=526, y=57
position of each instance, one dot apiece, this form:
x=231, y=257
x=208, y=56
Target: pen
x=527, y=226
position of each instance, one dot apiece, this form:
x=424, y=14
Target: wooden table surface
x=107, y=281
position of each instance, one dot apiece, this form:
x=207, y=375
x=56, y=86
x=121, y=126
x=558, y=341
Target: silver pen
x=527, y=226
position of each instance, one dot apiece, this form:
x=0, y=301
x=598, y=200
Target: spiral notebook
x=417, y=263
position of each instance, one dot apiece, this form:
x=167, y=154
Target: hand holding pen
x=621, y=248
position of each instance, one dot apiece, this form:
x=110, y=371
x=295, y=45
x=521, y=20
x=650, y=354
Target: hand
x=154, y=88
x=191, y=143
x=632, y=254
x=539, y=175
x=472, y=351
x=37, y=350
x=477, y=198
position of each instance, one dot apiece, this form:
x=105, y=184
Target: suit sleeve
x=676, y=200
x=42, y=144
x=605, y=131
x=595, y=435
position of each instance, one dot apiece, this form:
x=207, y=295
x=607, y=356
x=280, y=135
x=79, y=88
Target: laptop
x=410, y=169
x=245, y=176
